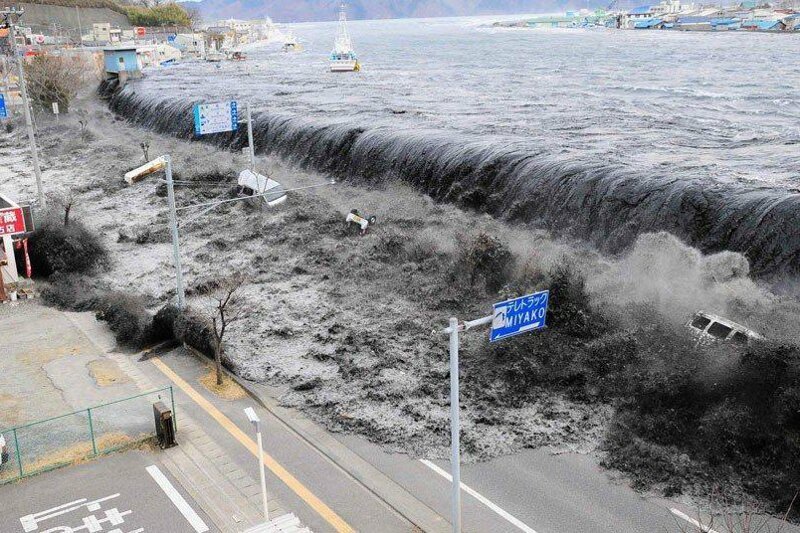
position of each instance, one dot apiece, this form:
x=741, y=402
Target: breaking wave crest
x=607, y=204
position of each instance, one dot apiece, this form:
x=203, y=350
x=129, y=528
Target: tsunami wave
x=604, y=203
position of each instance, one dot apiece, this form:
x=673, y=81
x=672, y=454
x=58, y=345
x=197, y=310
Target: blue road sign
x=171, y=38
x=3, y=111
x=215, y=118
x=526, y=313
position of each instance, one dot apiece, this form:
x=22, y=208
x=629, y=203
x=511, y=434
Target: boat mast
x=344, y=35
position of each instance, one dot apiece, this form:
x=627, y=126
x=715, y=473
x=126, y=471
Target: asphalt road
x=533, y=492
x=118, y=492
x=357, y=506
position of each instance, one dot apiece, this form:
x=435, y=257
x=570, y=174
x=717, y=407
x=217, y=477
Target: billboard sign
x=12, y=222
x=215, y=118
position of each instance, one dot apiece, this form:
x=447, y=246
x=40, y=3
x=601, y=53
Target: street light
x=253, y=418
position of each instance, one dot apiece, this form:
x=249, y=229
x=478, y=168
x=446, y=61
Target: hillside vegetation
x=108, y=4
x=162, y=15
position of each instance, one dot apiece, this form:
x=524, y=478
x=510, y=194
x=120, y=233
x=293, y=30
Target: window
x=739, y=338
x=719, y=331
x=700, y=322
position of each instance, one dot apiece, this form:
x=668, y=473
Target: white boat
x=290, y=44
x=343, y=58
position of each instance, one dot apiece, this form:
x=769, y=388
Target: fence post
x=16, y=449
x=174, y=415
x=91, y=431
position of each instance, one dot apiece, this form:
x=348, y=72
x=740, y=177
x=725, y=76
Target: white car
x=714, y=327
x=3, y=450
x=266, y=192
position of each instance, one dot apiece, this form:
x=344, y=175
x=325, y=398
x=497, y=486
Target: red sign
x=12, y=221
x=140, y=31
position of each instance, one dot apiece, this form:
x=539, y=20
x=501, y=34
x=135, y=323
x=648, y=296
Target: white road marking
x=485, y=501
x=31, y=522
x=186, y=510
x=695, y=523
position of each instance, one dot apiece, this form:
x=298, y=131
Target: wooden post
x=3, y=297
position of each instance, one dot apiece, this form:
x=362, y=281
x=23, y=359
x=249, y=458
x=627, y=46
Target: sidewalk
x=225, y=492
x=63, y=362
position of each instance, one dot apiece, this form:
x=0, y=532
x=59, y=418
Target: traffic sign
x=55, y=108
x=140, y=31
x=171, y=38
x=3, y=110
x=12, y=221
x=215, y=118
x=526, y=313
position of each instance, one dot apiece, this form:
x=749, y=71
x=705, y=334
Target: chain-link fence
x=73, y=437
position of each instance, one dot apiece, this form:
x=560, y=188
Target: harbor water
x=602, y=134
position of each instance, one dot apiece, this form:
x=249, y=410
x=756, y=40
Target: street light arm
x=463, y=326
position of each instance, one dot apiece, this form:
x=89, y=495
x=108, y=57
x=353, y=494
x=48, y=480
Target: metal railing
x=73, y=437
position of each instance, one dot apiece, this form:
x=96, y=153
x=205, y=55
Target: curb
x=361, y=471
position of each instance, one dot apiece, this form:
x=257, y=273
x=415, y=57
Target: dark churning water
x=604, y=134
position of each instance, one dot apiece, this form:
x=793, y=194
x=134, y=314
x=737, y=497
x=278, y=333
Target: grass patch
x=77, y=453
x=229, y=390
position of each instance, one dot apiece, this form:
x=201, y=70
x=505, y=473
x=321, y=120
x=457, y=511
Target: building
x=552, y=22
x=160, y=54
x=191, y=44
x=693, y=23
x=649, y=24
x=121, y=62
x=763, y=25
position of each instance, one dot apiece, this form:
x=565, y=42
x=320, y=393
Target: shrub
x=65, y=249
x=171, y=14
x=127, y=317
x=195, y=331
x=55, y=79
x=71, y=292
x=164, y=323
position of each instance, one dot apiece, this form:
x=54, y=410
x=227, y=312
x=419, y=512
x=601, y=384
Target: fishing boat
x=343, y=58
x=290, y=44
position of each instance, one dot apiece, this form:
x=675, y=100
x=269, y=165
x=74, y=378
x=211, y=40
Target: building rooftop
x=641, y=10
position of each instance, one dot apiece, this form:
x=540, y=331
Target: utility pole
x=8, y=18
x=173, y=223
x=252, y=150
x=80, y=30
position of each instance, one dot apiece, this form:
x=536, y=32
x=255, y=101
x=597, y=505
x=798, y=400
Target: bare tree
x=145, y=146
x=63, y=199
x=83, y=120
x=228, y=308
x=745, y=519
x=56, y=79
x=195, y=18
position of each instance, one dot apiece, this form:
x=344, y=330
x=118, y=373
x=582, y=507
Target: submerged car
x=714, y=327
x=264, y=191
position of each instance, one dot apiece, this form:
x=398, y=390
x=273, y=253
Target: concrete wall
x=39, y=16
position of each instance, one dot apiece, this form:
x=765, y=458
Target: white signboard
x=55, y=108
x=215, y=118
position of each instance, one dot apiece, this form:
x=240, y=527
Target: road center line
x=288, y=479
x=695, y=523
x=177, y=500
x=478, y=496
